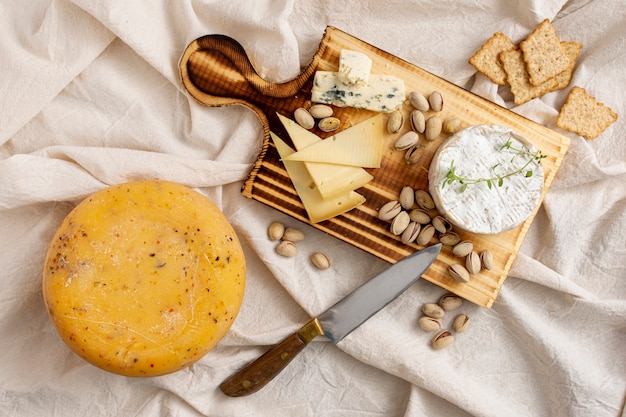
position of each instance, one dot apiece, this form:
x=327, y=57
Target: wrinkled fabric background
x=90, y=96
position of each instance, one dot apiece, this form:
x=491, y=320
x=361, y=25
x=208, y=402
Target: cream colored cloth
x=90, y=96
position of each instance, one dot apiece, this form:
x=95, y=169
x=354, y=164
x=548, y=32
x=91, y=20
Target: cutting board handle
x=216, y=70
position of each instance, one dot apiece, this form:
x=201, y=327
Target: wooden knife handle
x=258, y=373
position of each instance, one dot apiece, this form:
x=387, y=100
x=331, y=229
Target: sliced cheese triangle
x=360, y=145
x=317, y=208
x=330, y=179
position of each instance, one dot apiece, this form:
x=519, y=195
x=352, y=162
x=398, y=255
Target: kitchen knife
x=335, y=323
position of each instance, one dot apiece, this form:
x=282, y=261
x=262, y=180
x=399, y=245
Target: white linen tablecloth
x=90, y=96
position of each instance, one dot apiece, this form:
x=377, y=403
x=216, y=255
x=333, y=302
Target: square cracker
x=518, y=78
x=543, y=54
x=584, y=115
x=487, y=61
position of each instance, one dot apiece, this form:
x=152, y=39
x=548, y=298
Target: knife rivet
x=246, y=384
x=284, y=355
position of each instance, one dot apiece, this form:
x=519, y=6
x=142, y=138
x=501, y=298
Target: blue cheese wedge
x=317, y=208
x=486, y=153
x=383, y=93
x=354, y=68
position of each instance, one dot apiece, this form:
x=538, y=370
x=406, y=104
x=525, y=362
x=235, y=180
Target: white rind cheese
x=361, y=145
x=317, y=208
x=477, y=152
x=354, y=67
x=383, y=93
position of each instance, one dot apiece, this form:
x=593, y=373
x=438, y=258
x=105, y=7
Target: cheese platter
x=216, y=71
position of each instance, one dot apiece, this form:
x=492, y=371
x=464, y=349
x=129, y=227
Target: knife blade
x=335, y=323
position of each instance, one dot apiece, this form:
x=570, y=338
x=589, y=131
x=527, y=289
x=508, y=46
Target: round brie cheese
x=498, y=201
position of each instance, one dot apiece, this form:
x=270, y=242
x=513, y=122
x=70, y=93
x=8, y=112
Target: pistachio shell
x=418, y=121
x=320, y=260
x=450, y=238
x=428, y=324
x=459, y=273
x=407, y=140
x=450, y=302
x=434, y=125
x=433, y=310
x=320, y=111
x=460, y=323
x=399, y=223
x=395, y=122
x=411, y=232
x=442, y=340
x=426, y=234
x=286, y=248
x=414, y=154
x=275, y=230
x=420, y=216
x=472, y=263
x=486, y=259
x=436, y=101
x=424, y=200
x=462, y=249
x=293, y=235
x=304, y=118
x=452, y=125
x=418, y=101
x=328, y=124
x=407, y=197
x=440, y=224
x=389, y=210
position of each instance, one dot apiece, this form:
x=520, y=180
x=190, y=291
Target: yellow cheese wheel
x=144, y=278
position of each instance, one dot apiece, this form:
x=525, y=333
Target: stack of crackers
x=538, y=65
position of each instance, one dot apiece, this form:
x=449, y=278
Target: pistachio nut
x=399, y=223
x=424, y=200
x=442, y=340
x=452, y=125
x=450, y=238
x=418, y=101
x=320, y=260
x=321, y=111
x=428, y=324
x=389, y=210
x=328, y=124
x=407, y=140
x=460, y=323
x=275, y=230
x=436, y=101
x=407, y=197
x=462, y=249
x=395, y=122
x=414, y=154
x=420, y=216
x=472, y=263
x=426, y=234
x=450, y=302
x=441, y=224
x=434, y=125
x=459, y=273
x=418, y=121
x=486, y=259
x=286, y=248
x=433, y=310
x=304, y=118
x=411, y=232
x=293, y=235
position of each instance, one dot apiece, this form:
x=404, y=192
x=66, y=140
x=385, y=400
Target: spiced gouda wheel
x=144, y=278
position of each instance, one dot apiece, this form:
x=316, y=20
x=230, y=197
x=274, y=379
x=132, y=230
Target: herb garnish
x=497, y=178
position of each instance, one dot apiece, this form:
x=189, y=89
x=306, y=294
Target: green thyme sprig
x=498, y=179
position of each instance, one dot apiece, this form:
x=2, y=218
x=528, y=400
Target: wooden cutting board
x=217, y=72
